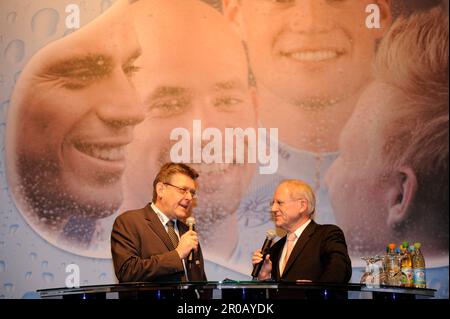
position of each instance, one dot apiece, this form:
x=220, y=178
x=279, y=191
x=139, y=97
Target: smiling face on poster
x=310, y=59
x=308, y=52
x=71, y=118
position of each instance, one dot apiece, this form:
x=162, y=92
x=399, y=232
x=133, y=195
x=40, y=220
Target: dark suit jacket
x=319, y=255
x=142, y=250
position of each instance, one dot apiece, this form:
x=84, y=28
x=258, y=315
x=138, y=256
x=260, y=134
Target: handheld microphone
x=270, y=235
x=190, y=221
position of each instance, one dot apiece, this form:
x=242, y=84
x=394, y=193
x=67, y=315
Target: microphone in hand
x=270, y=235
x=190, y=221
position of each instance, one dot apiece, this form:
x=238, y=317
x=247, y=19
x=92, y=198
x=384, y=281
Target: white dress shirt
x=164, y=219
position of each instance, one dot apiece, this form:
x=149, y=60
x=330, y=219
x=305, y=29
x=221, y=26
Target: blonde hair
x=413, y=60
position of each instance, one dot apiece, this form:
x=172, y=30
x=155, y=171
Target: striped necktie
x=172, y=234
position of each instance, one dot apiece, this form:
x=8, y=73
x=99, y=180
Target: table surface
x=226, y=285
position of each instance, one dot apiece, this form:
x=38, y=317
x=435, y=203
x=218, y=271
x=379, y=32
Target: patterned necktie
x=172, y=234
x=289, y=246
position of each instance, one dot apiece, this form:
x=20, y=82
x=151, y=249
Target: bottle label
x=407, y=276
x=419, y=276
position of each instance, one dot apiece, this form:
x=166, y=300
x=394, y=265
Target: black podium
x=235, y=290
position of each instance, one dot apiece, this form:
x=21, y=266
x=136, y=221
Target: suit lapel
x=300, y=245
x=156, y=225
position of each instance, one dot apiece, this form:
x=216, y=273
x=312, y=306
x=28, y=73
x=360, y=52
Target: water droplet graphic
x=28, y=275
x=105, y=5
x=2, y=266
x=15, y=51
x=48, y=277
x=13, y=229
x=11, y=17
x=33, y=256
x=102, y=276
x=8, y=287
x=44, y=264
x=45, y=22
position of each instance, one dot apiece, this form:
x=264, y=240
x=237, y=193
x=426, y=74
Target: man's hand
x=187, y=242
x=266, y=269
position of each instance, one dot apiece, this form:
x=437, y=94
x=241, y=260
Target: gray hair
x=300, y=189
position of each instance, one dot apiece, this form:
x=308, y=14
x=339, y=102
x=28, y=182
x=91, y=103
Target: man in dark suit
x=153, y=243
x=309, y=251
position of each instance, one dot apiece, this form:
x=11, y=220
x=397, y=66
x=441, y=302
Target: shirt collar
x=300, y=230
x=162, y=217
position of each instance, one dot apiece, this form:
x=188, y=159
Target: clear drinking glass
x=374, y=274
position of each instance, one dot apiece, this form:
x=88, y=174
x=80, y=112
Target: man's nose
x=120, y=105
x=203, y=109
x=274, y=207
x=310, y=16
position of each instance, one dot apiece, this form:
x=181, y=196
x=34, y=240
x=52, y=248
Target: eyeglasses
x=184, y=191
x=281, y=203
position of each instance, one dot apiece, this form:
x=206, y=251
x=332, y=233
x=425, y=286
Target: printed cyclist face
x=72, y=116
x=357, y=179
x=187, y=76
x=311, y=52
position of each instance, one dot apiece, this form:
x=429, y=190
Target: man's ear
x=401, y=195
x=303, y=205
x=232, y=11
x=160, y=189
x=386, y=17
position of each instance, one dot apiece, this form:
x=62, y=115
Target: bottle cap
x=391, y=246
x=417, y=245
x=405, y=244
x=412, y=248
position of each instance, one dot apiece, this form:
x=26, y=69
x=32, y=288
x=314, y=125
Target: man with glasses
x=153, y=243
x=309, y=251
